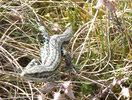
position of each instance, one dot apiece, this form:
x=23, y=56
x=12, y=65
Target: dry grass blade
x=83, y=44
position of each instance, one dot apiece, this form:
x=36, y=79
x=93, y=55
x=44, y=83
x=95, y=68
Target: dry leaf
x=48, y=88
x=58, y=96
x=125, y=92
x=110, y=5
x=68, y=89
x=15, y=17
x=69, y=93
x=41, y=97
x=55, y=27
x=67, y=85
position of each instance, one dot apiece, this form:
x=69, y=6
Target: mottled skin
x=50, y=55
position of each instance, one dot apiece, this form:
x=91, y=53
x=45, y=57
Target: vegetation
x=101, y=48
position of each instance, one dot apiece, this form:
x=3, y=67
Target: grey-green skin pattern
x=50, y=54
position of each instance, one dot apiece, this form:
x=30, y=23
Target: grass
x=101, y=47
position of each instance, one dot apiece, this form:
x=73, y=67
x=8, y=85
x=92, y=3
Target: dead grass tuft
x=101, y=47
